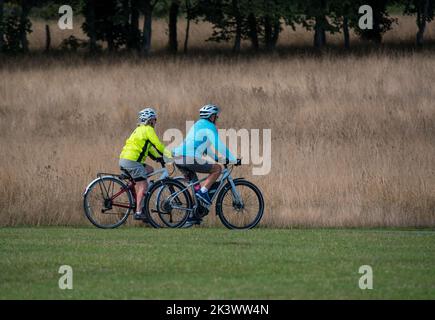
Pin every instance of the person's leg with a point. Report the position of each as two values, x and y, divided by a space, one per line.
141 187
148 169
189 167
215 172
139 173
182 164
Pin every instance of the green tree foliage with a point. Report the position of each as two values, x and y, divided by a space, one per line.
110 22
237 20
424 11
15 25
344 17
116 22
382 21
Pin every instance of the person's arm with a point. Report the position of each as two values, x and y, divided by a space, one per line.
156 145
219 146
154 154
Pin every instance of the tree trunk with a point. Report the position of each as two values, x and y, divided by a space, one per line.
90 20
237 39
186 37
268 33
317 35
238 16
253 31
110 34
110 41
173 16
320 32
1 25
422 15
47 38
133 41
25 9
375 34
346 32
147 27
275 32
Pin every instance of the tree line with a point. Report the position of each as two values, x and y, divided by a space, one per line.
117 22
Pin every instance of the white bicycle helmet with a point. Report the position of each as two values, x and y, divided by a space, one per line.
146 114
208 110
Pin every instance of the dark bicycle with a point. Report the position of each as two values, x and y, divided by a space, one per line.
111 198
239 203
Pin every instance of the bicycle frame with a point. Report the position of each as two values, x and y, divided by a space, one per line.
225 176
130 186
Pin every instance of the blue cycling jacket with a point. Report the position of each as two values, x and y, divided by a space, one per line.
200 137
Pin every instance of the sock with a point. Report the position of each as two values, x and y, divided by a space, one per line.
204 189
138 212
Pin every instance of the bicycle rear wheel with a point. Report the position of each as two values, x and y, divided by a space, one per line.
107 202
243 213
164 210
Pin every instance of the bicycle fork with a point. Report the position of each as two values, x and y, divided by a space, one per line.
237 199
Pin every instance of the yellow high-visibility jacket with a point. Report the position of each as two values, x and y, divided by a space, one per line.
143 142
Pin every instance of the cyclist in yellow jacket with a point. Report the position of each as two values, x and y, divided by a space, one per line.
142 142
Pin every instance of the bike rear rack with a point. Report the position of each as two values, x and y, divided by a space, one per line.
122 176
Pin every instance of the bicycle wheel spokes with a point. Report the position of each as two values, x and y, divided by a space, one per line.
164 209
106 206
243 214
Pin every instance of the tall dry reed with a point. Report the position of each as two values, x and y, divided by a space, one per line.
353 136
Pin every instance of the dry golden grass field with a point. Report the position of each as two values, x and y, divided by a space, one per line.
353 135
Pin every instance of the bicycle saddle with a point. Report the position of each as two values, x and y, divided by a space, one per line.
125 173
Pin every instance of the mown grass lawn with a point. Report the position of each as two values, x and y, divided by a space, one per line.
215 263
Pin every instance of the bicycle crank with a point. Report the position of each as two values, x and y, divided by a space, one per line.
201 211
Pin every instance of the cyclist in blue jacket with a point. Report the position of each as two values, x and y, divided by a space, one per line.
188 156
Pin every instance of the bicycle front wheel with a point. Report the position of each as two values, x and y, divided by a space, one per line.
168 204
241 208
107 202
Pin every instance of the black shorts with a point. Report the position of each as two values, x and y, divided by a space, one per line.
189 166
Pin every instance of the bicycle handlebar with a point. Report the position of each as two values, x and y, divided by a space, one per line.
238 163
162 162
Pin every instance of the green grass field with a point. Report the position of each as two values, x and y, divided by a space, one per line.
206 263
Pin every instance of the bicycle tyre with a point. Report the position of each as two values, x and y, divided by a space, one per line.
161 213
93 189
221 197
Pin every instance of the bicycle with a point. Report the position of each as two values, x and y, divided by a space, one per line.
111 198
227 191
